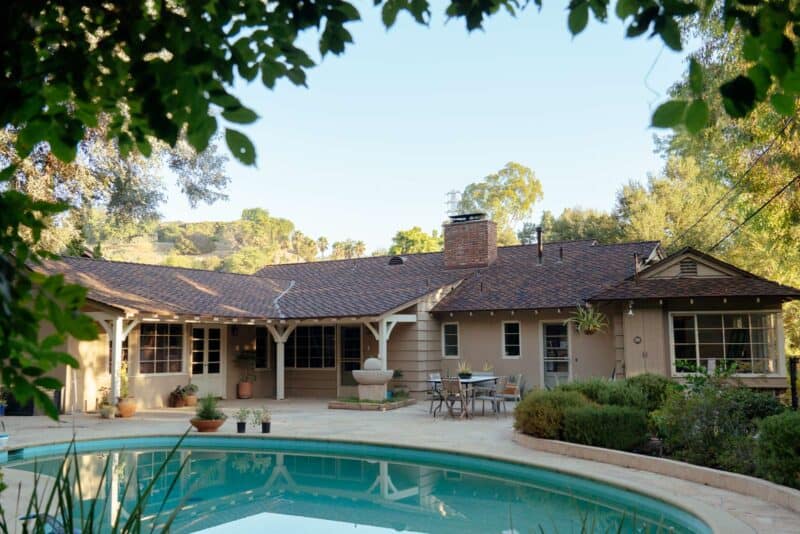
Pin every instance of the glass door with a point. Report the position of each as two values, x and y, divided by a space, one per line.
208 371
555 354
350 356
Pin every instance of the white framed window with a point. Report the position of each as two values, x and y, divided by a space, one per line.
160 348
555 342
750 340
311 347
512 339
450 341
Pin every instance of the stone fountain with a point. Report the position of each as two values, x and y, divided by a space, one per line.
372 380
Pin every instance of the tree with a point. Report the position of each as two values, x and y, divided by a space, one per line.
507 196
322 245
304 246
573 224
415 240
348 249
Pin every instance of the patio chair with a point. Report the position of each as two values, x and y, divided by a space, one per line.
433 393
495 395
453 393
513 388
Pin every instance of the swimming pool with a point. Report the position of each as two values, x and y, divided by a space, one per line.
233 483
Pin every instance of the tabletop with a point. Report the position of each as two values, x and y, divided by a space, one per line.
471 380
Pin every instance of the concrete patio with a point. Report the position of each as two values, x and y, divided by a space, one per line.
412 426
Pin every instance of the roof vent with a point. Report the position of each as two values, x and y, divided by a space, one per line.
397 260
688 267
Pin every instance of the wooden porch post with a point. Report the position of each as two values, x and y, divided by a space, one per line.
116 357
280 334
382 343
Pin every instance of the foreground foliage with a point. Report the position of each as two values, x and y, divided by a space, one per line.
613 427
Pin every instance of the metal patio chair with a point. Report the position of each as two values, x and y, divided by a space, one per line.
453 393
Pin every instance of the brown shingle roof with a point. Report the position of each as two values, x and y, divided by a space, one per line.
654 288
517 281
171 290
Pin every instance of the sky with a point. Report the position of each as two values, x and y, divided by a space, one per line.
384 131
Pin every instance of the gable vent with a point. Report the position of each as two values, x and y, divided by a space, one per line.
688 267
397 260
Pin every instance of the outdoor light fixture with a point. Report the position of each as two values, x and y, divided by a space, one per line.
630 308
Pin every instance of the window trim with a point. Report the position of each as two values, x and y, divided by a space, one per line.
457 356
781 356
541 349
503 354
138 352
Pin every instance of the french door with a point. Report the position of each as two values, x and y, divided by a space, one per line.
350 359
208 360
555 354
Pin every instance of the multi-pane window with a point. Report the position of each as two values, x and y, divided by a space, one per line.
263 343
556 354
111 352
450 340
160 348
311 347
710 340
511 340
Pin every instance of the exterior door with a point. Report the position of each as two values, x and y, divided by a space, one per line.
350 359
208 360
555 354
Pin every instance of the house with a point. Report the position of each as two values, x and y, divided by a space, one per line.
308 325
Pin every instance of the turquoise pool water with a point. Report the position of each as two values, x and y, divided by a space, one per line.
231 484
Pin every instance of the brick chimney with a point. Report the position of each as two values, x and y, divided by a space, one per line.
470 240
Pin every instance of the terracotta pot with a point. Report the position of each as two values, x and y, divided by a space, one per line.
244 390
207 425
126 407
177 402
190 400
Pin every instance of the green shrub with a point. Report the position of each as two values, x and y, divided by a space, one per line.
614 427
541 413
778 450
654 388
604 391
207 409
699 426
754 404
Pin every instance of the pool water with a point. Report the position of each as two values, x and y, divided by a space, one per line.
280 485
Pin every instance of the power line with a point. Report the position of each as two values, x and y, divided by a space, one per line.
764 205
736 182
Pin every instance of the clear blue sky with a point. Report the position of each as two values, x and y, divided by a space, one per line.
384 131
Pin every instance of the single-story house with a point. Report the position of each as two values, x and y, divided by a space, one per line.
309 324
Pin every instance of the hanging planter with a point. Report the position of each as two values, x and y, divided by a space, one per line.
588 320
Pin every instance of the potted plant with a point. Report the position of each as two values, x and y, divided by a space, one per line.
488 367
241 416
190 394
176 398
126 405
266 420
246 360
107 410
464 370
588 320
208 417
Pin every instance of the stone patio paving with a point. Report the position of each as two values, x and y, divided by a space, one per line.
410 426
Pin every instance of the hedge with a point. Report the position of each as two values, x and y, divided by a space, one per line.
541 413
603 391
613 427
778 449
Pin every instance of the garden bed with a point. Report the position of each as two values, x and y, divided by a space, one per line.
743 484
372 406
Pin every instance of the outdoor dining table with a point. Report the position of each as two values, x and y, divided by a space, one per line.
469 384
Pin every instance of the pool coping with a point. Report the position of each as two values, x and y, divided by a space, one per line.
734 482
718 520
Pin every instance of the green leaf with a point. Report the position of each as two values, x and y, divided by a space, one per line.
578 18
751 48
738 96
48 382
626 8
761 79
669 114
241 115
671 33
695 77
241 147
783 104
389 12
696 116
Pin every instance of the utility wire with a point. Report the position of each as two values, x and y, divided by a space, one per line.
764 205
736 183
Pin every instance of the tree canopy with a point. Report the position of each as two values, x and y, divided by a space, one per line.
415 240
507 196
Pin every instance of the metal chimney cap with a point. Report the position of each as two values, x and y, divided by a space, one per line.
467 217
